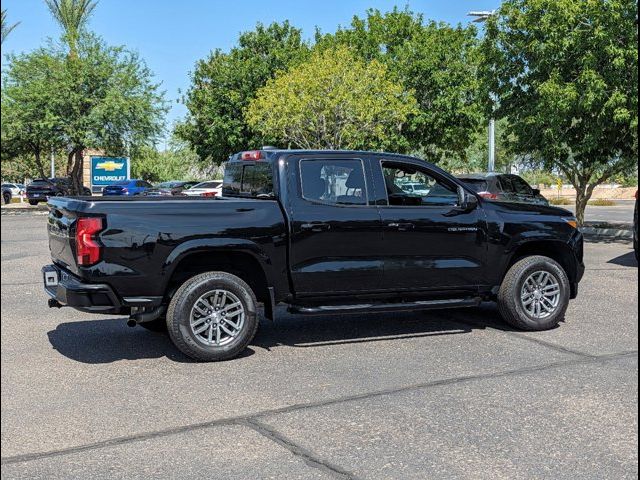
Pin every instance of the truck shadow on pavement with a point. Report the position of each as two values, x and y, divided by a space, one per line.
110 340
625 260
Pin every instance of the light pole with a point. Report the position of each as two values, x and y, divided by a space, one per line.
53 164
480 17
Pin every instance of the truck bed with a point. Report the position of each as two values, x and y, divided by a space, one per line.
143 239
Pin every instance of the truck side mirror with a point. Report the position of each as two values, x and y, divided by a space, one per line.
466 201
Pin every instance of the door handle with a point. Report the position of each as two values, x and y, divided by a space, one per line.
402 227
315 227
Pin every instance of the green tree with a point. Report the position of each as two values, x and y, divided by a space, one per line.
104 99
5 27
333 101
224 83
437 63
565 75
175 163
30 126
72 16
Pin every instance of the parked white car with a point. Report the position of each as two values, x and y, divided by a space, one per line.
205 189
15 188
415 188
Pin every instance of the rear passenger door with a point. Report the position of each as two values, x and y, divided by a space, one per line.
335 231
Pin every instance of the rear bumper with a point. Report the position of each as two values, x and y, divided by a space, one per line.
70 291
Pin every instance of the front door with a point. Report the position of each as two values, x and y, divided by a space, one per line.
430 242
336 236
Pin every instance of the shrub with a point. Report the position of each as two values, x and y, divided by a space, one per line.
601 202
560 201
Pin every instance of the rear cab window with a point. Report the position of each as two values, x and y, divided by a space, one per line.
248 179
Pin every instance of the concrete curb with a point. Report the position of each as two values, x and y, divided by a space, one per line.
608 231
607 234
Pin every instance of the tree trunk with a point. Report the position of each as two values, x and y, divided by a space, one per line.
583 194
39 165
76 171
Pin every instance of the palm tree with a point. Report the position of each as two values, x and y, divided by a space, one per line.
6 28
72 16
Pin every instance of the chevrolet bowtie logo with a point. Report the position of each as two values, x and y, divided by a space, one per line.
109 166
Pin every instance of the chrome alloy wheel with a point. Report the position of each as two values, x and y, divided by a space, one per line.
540 295
217 318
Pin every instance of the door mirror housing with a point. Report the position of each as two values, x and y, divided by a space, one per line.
466 201
536 191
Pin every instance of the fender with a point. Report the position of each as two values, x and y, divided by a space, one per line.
218 244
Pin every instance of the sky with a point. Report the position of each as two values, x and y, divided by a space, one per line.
173 35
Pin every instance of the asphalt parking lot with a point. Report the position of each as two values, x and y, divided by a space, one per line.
450 394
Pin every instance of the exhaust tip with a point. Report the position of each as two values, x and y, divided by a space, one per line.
53 303
131 323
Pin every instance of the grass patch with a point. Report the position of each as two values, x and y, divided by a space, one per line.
560 201
601 202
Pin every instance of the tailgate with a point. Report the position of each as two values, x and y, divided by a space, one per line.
61 228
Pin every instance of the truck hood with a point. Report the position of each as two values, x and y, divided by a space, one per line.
528 208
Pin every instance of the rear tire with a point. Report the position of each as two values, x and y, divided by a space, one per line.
33 202
527 299
212 317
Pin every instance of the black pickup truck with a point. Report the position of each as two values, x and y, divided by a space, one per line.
320 231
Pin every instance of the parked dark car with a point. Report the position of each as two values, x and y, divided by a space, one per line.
175 187
127 188
7 194
503 187
41 189
320 231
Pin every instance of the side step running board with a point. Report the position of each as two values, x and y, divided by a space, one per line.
386 307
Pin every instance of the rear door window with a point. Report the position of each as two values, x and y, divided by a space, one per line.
334 182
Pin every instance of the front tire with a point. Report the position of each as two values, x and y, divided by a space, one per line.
212 317
534 294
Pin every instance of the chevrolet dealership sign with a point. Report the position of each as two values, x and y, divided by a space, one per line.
107 170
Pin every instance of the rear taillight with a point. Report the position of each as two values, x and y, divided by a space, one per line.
87 247
488 195
208 194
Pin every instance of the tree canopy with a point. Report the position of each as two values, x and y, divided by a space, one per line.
105 98
335 100
5 27
436 62
72 16
224 83
565 76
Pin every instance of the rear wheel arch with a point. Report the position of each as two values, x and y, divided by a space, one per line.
239 263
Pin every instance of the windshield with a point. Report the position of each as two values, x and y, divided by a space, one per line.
169 184
123 183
